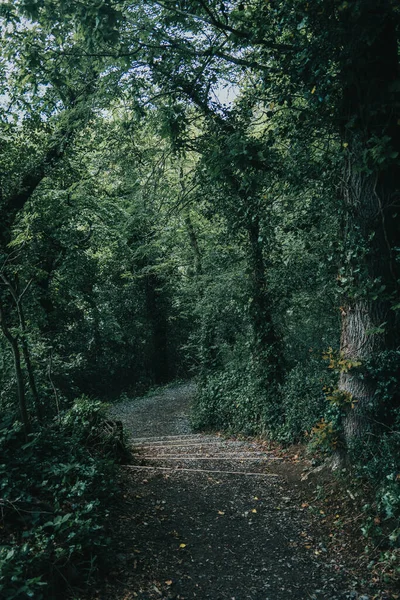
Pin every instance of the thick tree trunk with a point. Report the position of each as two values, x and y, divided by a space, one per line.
370 191
370 285
357 345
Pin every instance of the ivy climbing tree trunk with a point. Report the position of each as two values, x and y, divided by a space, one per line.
371 188
368 324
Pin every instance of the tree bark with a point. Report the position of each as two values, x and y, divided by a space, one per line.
157 318
13 341
370 194
357 344
29 366
267 348
17 297
198 266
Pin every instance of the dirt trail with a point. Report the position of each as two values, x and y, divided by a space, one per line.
211 518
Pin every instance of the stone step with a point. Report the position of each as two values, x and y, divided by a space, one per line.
186 470
232 458
182 445
161 438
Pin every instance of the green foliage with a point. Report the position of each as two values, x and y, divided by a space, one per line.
373 455
53 495
83 418
377 457
323 438
376 461
234 400
149 228
340 363
303 401
87 424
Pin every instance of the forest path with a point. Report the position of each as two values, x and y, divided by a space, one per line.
211 518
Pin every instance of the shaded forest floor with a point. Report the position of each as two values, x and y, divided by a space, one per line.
217 518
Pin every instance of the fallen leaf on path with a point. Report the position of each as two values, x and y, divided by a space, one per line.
221 512
182 545
254 510
169 582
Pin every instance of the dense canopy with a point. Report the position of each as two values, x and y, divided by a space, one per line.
197 189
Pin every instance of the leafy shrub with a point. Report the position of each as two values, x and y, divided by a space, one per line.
324 438
87 425
52 490
374 456
303 400
235 400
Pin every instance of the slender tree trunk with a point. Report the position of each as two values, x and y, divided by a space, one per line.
198 265
55 392
157 318
13 341
20 385
190 229
207 343
30 371
267 348
17 297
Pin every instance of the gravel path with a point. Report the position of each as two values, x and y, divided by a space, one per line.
166 413
205 517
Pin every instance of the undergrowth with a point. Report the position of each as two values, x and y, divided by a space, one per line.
236 399
55 491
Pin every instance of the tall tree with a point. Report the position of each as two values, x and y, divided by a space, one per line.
370 133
